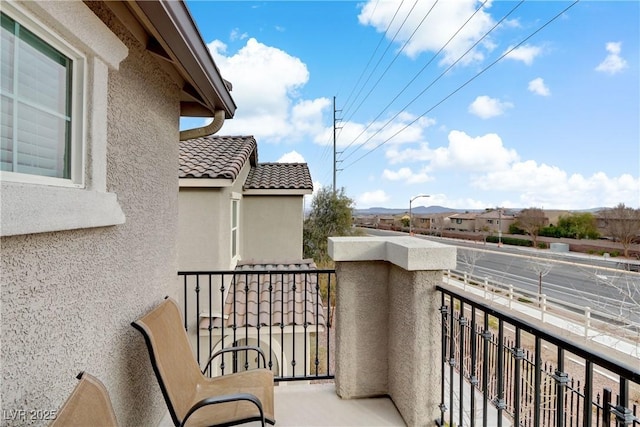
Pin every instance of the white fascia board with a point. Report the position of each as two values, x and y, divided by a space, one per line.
204 182
275 192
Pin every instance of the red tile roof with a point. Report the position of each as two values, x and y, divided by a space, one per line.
279 176
272 299
216 156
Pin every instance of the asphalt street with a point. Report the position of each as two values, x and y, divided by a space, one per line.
579 279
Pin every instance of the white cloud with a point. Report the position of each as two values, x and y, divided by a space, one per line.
291 157
472 154
237 35
270 105
406 175
403 129
308 198
526 53
538 87
547 186
613 63
372 198
486 107
444 20
420 154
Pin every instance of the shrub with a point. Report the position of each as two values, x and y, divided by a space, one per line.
510 241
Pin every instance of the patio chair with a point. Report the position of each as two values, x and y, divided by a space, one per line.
88 405
192 398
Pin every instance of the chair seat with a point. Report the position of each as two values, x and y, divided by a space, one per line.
258 382
192 398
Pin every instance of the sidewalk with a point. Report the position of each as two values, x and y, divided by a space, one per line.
579 329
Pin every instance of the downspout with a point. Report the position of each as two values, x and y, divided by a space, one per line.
210 129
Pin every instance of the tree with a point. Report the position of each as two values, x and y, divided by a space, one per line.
331 215
541 268
578 226
623 225
531 220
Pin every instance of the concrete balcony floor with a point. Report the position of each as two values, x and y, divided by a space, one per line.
319 405
303 405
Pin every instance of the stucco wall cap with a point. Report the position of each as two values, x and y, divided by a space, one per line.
408 253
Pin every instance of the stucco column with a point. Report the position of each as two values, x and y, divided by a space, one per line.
387 321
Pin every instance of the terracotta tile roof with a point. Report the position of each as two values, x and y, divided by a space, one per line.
279 176
464 216
216 156
293 299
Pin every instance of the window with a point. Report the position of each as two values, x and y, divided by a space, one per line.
234 228
54 102
40 95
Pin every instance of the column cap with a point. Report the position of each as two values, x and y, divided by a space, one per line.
409 253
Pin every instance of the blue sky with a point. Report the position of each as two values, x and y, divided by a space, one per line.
477 105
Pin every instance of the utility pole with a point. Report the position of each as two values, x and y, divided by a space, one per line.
335 153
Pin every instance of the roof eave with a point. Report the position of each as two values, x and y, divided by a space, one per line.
175 37
276 191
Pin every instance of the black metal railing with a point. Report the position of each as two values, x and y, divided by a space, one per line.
498 369
287 313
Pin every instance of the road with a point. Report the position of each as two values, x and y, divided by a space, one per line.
583 280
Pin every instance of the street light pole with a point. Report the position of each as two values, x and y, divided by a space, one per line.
500 227
410 218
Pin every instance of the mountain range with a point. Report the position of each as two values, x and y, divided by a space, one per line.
416 210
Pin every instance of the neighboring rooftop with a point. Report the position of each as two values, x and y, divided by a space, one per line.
216 156
292 300
279 176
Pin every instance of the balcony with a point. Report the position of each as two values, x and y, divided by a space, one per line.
404 347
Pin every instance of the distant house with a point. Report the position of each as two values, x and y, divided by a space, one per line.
387 221
463 222
233 208
494 221
236 213
421 221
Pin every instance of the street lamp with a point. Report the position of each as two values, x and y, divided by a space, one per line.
410 218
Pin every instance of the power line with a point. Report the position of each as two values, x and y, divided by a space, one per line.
417 74
384 53
347 106
464 84
375 7
436 80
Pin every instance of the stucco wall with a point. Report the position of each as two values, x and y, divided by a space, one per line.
272 225
204 232
68 297
203 225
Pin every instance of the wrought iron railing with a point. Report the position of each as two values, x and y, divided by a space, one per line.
287 313
493 372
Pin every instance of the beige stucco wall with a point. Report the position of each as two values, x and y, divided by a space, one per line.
204 226
272 227
68 297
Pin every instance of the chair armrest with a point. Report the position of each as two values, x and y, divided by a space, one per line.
226 399
235 350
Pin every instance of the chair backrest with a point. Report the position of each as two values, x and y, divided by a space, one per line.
88 405
171 356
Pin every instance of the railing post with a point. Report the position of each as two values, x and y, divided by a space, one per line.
388 321
587 321
510 296
606 407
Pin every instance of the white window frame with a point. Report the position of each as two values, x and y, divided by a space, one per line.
78 103
35 204
235 201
